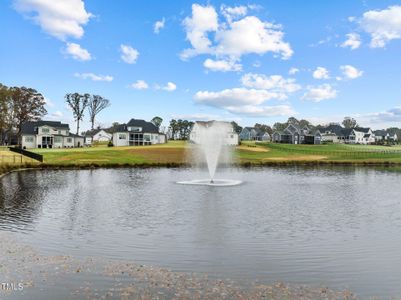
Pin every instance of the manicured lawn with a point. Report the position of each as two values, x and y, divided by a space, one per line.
175 152
172 152
329 152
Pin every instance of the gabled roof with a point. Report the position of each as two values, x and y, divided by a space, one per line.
362 129
96 131
333 128
380 132
30 127
292 128
75 135
147 127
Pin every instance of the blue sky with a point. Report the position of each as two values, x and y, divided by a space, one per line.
258 61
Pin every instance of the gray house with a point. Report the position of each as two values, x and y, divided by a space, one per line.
254 134
294 134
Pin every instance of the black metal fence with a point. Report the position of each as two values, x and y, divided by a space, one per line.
30 154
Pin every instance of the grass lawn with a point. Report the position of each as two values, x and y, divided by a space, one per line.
174 153
248 152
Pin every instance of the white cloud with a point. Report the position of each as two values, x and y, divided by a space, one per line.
351 72
231 13
203 20
321 73
251 35
262 111
159 25
61 19
391 115
94 77
139 85
128 54
198 117
353 41
319 93
221 65
77 52
169 87
57 114
234 97
382 25
244 101
274 83
293 71
49 102
233 39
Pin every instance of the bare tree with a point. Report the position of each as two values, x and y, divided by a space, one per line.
95 106
78 104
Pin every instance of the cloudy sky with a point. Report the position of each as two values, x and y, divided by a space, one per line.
258 61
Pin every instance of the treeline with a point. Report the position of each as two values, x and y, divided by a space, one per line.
17 106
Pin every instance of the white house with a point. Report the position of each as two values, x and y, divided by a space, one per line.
137 133
49 134
98 135
231 137
384 135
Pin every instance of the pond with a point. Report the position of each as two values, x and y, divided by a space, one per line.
337 227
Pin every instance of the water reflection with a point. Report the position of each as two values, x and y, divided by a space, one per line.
318 226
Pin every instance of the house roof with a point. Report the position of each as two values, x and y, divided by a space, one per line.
96 131
380 132
147 127
30 127
362 129
75 135
292 128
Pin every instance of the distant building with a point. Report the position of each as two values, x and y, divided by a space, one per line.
98 135
254 134
294 134
231 137
137 133
49 134
385 136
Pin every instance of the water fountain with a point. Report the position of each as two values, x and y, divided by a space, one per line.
211 148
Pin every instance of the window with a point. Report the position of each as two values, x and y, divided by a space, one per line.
29 139
122 137
45 130
57 139
69 140
135 129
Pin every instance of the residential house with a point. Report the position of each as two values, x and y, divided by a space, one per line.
98 135
385 136
49 134
254 134
294 134
231 137
334 133
137 133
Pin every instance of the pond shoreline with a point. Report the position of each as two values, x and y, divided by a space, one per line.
41 277
7 169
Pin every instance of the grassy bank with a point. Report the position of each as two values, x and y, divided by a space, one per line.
174 154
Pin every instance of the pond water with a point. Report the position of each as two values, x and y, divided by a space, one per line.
338 227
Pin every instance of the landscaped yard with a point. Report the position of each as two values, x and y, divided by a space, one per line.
175 152
172 152
330 152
